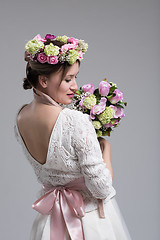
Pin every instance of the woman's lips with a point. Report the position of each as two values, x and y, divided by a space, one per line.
70 95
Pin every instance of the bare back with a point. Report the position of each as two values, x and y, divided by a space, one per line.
35 123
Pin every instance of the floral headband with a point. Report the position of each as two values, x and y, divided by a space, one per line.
43 49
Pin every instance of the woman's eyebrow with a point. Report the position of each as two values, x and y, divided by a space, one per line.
72 75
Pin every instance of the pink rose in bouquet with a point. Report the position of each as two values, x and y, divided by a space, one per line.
103 105
88 88
117 97
104 87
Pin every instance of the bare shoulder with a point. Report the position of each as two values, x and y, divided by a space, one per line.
21 112
38 113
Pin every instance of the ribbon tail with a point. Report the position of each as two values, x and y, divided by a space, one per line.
100 208
75 201
73 223
57 224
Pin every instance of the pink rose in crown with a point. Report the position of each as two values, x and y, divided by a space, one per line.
88 88
53 59
72 40
119 112
80 55
104 87
42 58
38 37
118 97
68 46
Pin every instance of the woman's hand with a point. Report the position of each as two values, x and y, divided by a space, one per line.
102 142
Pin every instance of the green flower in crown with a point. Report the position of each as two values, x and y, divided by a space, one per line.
105 117
33 46
82 46
62 56
72 56
51 50
62 38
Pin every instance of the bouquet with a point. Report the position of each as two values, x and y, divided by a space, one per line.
104 105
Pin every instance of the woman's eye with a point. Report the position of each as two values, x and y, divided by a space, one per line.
68 80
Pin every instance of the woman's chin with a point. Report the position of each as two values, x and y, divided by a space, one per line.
68 101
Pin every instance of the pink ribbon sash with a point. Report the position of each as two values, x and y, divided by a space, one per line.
66 207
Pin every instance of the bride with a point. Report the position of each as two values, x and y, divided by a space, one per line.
77 198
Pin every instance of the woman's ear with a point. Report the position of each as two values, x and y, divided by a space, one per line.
42 80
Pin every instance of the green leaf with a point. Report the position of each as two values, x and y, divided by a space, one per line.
96 93
109 96
118 105
125 103
78 92
113 120
105 133
112 88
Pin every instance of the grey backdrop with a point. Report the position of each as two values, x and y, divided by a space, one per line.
123 38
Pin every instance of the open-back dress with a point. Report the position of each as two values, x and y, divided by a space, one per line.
77 198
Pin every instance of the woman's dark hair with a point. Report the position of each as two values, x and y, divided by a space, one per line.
33 69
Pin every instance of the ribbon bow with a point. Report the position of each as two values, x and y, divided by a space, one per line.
66 207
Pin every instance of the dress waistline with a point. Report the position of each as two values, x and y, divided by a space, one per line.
66 207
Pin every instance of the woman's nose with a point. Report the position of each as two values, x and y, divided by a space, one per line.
74 86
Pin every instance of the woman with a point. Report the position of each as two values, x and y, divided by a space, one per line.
77 199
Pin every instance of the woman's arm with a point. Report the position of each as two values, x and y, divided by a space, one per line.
106 153
97 176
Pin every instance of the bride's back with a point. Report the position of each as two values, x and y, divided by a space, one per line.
35 123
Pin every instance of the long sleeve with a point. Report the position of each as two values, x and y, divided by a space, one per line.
98 178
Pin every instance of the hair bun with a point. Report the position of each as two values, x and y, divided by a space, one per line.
26 84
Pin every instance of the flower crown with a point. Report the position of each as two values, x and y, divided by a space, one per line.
43 49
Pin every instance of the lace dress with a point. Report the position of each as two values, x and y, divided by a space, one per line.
77 198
